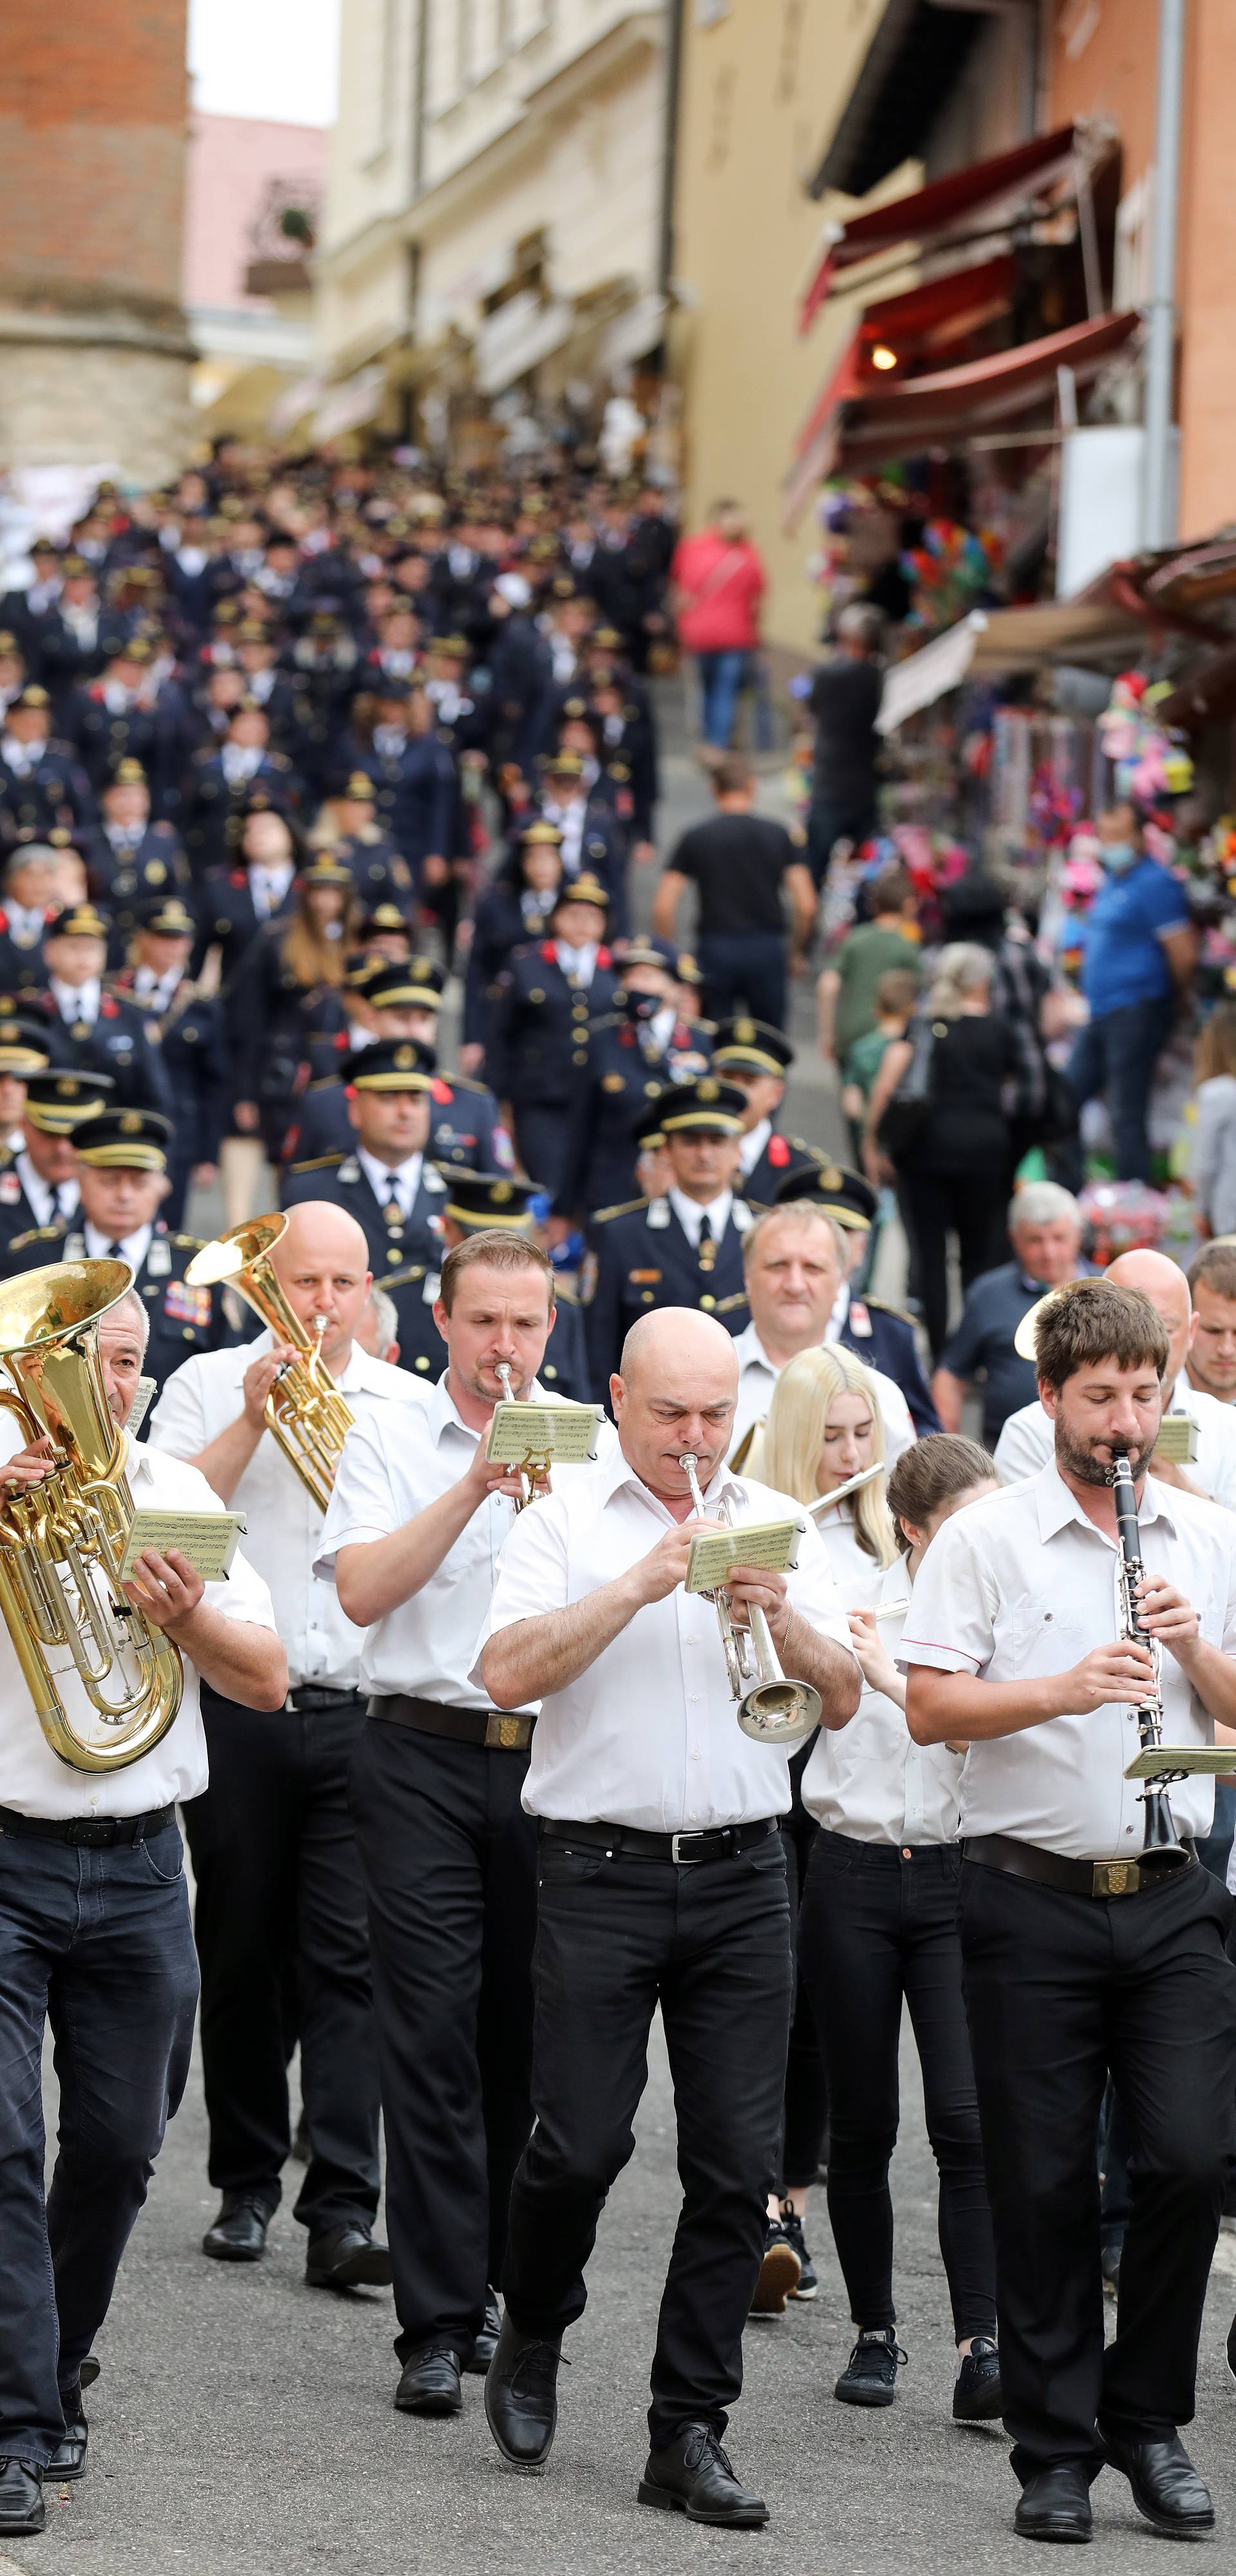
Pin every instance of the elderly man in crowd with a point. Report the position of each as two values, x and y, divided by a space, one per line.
1045 1230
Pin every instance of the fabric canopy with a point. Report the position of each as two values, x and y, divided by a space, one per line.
926 411
930 212
1007 639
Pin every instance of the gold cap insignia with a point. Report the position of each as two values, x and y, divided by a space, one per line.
831 1177
707 1090
405 1059
744 1031
131 1124
500 1193
421 970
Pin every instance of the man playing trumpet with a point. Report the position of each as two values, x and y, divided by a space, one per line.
662 1879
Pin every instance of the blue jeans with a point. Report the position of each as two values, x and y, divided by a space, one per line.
97 1942
745 971
1116 1055
721 677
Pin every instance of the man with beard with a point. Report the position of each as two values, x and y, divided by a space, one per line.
1085 1956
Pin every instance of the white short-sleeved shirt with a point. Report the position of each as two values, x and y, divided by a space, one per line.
648 1736
33 1779
1021 1584
757 1377
870 1779
395 1462
284 1530
856 1575
1027 1440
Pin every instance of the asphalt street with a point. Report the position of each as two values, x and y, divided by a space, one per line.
243 2424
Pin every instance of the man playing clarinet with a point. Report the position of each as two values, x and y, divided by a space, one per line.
1092 1940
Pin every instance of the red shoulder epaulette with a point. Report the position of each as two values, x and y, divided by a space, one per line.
778 1152
603 957
238 878
441 1092
109 1010
548 951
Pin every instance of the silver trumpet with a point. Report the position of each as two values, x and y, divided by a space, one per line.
771 1709
827 1502
533 1471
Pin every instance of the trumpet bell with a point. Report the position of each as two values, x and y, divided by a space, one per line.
783 1712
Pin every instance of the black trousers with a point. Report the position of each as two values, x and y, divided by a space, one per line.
1061 1991
280 1902
806 2084
449 1859
972 1206
98 1942
709 1943
877 1928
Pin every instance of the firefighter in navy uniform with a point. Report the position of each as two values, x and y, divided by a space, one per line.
594 842
474 1202
387 1182
107 722
221 788
94 1031
41 783
756 1059
192 1038
378 872
121 1158
682 1249
130 860
876 1332
403 1001
31 874
38 1168
544 999
636 1052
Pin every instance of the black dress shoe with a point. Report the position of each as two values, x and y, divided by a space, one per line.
1055 2504
1166 2486
22 2509
486 2343
692 2475
348 2258
239 2231
68 2460
977 2395
430 2382
521 2396
89 2371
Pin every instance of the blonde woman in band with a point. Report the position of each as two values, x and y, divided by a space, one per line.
824 1426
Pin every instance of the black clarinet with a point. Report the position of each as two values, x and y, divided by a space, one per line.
1162 1847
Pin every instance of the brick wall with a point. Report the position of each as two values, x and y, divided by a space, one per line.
93 118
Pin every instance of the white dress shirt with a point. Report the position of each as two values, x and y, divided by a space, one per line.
648 1735
201 1400
757 1377
393 1466
1028 1440
158 991
856 1575
870 1779
241 761
691 1215
751 1146
268 887
579 962
47 1198
133 1247
33 1779
1022 1584
569 820
26 922
21 756
405 1178
77 1001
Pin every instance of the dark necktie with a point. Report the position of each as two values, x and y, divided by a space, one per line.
391 1207
115 1252
707 1248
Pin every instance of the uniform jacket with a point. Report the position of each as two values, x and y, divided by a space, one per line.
626 1071
538 1034
183 1321
193 1044
54 792
123 1042
643 1259
393 1239
122 879
781 1154
466 1126
215 812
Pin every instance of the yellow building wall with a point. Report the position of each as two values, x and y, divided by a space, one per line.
760 89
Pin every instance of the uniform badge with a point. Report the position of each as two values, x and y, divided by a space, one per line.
10 1189
131 1123
860 1321
503 1150
658 1213
431 1180
159 1258
644 1278
186 1305
432 1289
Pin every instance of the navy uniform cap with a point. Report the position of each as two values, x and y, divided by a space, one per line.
79 921
585 888
57 1102
124 1139
23 1048
167 916
842 1194
391 1064
751 1046
480 1199
716 1107
418 986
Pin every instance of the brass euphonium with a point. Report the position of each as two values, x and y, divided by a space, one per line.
62 1542
304 1409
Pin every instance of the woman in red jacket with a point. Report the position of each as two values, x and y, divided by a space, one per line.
719 581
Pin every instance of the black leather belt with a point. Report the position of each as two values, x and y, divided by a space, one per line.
97 1832
716 1842
305 1699
1072 1877
499 1730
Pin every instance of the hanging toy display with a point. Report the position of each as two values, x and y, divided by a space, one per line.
949 571
1150 760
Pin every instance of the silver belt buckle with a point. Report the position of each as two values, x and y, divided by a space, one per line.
683 1859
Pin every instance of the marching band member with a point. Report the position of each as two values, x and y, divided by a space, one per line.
878 1926
1081 1960
662 1879
278 1879
95 1937
448 1855
823 1428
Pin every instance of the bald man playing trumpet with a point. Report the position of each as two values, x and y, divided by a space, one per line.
280 1916
661 1880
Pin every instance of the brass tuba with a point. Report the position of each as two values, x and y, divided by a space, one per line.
62 1542
304 1408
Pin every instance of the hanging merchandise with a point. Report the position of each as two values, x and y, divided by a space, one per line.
1150 759
950 571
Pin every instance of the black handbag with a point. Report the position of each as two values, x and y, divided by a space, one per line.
904 1116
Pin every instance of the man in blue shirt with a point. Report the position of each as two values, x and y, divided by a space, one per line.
1136 969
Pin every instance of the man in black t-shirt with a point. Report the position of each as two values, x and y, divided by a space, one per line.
743 866
845 701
